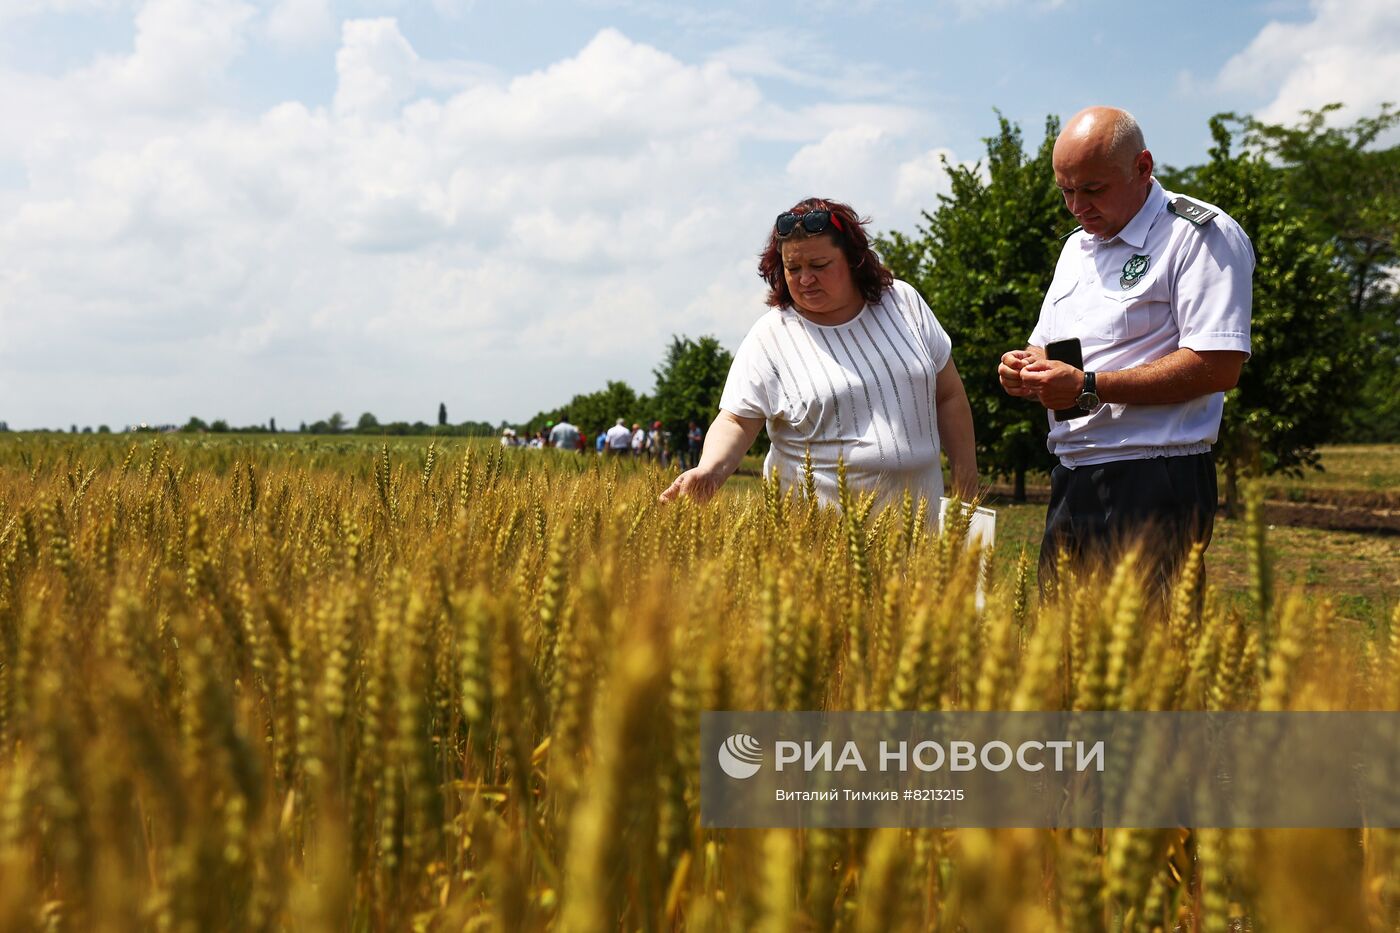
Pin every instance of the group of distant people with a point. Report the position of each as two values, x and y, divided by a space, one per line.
653 443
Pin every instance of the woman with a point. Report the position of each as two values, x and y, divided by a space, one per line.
848 362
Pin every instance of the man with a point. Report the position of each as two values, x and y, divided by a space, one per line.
564 436
1156 288
619 438
639 439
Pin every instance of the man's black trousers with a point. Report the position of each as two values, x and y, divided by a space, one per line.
1098 511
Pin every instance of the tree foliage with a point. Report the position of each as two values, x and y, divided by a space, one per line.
1350 188
1303 350
596 411
369 424
688 386
983 261
689 383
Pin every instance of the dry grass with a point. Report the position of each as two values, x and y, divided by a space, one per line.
325 687
1358 573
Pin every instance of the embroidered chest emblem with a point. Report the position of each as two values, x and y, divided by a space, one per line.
1133 270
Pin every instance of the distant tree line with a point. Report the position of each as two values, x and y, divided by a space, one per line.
73 429
689 382
367 424
1321 204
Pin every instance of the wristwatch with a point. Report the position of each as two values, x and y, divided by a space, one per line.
1088 399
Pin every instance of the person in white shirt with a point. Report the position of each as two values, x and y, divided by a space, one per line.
848 363
619 438
564 436
1157 289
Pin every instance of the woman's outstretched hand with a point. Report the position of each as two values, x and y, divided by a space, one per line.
698 484
730 435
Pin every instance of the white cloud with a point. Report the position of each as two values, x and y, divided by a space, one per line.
923 178
865 165
440 231
844 164
180 50
1349 52
300 22
375 68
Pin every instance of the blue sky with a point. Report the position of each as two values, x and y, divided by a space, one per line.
245 210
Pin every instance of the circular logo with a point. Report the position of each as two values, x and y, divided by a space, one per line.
741 756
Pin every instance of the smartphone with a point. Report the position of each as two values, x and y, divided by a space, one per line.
1067 351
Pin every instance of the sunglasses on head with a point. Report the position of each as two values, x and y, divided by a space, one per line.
811 221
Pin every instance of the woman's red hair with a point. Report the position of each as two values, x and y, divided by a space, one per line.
871 276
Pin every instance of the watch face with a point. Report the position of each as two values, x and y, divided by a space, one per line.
1089 402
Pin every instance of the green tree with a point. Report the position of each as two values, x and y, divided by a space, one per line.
335 423
594 410
442 414
689 383
367 423
983 260
194 425
1352 189
1304 353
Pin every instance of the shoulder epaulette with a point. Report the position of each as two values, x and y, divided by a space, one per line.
1194 211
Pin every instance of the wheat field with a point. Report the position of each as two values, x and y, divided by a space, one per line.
286 685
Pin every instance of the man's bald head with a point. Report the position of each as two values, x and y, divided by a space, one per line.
1103 168
1105 131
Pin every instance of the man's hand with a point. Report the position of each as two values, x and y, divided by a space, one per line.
698 484
1055 383
1180 376
1009 372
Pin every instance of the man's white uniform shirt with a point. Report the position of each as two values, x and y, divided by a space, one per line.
1195 293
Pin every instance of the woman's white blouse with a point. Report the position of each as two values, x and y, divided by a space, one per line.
863 390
